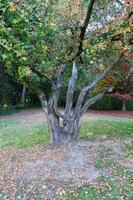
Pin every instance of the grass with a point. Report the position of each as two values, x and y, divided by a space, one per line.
128 150
109 128
14 134
106 189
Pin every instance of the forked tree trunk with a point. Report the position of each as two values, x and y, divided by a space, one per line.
71 119
61 133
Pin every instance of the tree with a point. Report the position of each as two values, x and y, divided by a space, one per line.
10 90
124 90
42 41
1 70
23 95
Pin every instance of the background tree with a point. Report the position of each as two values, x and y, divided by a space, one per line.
124 90
43 41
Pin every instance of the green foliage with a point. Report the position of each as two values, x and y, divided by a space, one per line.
24 27
128 150
107 103
36 38
6 109
10 95
31 42
104 104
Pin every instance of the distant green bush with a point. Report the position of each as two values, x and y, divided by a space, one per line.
6 109
110 103
130 105
104 104
10 109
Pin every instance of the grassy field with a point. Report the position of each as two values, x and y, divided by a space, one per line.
14 134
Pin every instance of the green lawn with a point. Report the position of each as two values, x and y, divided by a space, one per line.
109 128
14 134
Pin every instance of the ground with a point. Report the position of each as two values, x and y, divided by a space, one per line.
98 166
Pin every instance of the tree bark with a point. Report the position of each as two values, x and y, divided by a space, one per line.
70 91
61 134
124 105
52 120
54 128
23 95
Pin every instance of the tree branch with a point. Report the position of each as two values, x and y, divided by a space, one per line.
89 87
39 93
84 27
91 101
118 1
57 88
70 91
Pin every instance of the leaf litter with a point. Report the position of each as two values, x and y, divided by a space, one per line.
45 172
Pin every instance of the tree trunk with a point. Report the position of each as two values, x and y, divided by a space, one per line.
62 133
54 128
124 105
67 131
23 95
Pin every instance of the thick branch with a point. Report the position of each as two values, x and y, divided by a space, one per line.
57 88
91 101
70 91
118 1
89 87
43 101
39 93
100 77
84 27
56 98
